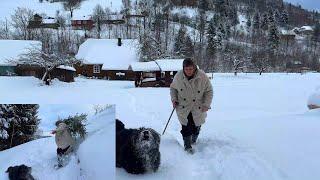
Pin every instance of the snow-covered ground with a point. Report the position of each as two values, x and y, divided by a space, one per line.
259 127
9 6
96 153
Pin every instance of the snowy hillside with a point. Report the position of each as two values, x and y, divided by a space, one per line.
259 127
50 9
96 159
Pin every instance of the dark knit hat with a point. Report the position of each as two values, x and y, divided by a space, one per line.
187 62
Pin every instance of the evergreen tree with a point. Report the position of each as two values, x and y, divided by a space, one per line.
203 4
19 123
316 36
265 22
273 37
248 24
180 41
189 47
256 21
211 35
222 31
284 18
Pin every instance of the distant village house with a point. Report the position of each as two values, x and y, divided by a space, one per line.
107 58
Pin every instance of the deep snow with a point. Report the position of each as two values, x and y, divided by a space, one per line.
259 127
96 153
50 9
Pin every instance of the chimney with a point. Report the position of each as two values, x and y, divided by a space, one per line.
119 42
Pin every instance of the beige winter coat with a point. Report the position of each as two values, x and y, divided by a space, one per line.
64 138
192 95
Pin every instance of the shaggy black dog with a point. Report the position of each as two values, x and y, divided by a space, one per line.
21 172
137 150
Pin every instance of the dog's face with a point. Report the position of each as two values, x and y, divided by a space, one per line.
146 139
21 172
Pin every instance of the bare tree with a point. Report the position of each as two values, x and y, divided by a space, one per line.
49 61
98 15
71 5
5 32
20 21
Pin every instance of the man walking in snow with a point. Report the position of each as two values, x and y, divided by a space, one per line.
64 141
191 94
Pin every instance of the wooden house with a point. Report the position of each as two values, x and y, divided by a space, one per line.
107 58
82 23
158 73
40 22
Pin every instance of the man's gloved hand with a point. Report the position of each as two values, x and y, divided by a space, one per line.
175 104
205 109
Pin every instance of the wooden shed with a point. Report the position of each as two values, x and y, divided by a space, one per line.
62 72
158 73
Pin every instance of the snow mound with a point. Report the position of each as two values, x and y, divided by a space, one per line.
314 100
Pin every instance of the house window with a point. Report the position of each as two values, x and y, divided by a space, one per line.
79 22
96 68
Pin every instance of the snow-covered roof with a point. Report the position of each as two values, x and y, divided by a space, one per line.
158 65
288 32
108 53
170 64
145 66
48 21
69 68
11 49
80 17
306 28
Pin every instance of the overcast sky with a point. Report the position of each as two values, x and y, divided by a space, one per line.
308 4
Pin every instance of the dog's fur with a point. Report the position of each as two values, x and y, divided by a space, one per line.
21 172
137 150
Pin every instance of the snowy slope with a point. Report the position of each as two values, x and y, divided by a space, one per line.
8 7
96 159
259 127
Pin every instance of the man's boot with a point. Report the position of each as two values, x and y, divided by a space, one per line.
194 138
187 144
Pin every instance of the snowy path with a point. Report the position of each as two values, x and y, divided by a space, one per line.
259 127
250 133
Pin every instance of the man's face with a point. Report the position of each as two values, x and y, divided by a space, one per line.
189 71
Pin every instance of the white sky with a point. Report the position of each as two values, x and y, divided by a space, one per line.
308 4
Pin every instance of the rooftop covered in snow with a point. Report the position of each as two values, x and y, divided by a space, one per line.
12 49
108 53
145 66
158 65
69 68
170 64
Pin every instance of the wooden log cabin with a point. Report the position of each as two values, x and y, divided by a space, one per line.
107 58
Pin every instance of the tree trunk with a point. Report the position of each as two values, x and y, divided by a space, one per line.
12 136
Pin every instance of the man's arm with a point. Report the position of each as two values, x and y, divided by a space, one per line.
174 92
208 94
